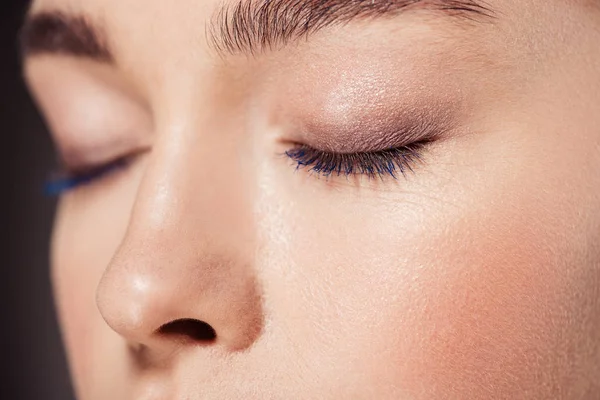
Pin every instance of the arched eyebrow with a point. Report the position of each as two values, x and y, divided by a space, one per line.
246 26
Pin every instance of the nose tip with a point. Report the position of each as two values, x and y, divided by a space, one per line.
131 306
174 310
138 313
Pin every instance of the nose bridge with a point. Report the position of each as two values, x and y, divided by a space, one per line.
187 253
196 177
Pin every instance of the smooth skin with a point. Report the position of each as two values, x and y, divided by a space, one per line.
477 276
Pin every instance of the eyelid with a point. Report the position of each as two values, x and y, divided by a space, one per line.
76 163
69 178
55 187
362 133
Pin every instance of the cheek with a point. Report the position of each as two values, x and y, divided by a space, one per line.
501 302
491 294
489 309
87 232
497 314
72 297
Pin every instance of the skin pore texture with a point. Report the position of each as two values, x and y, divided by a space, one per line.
214 265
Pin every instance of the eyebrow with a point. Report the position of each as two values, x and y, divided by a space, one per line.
57 33
247 26
250 26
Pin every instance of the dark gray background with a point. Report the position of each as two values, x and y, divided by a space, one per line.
33 364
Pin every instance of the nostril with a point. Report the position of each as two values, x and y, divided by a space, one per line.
198 331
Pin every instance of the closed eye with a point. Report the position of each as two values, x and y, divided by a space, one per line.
393 162
68 180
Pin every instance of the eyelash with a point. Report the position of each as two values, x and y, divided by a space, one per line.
71 180
393 162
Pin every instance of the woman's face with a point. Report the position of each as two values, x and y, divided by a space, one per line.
325 199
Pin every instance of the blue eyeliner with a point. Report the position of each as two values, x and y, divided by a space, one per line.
63 184
393 162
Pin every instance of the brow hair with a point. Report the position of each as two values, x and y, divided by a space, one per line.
246 26
254 25
53 32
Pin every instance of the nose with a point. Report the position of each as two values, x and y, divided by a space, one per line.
166 301
184 274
